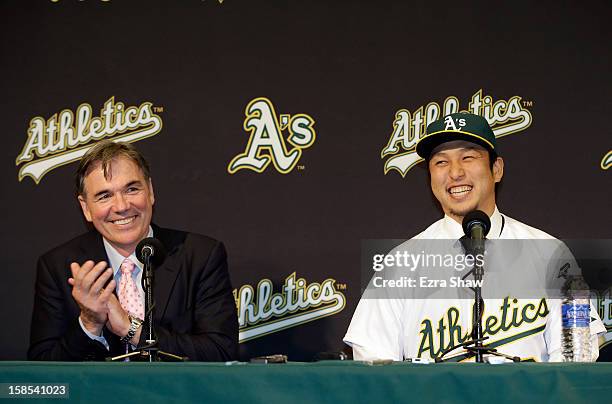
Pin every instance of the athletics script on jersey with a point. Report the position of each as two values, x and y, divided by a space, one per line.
504 116
266 143
262 312
66 136
514 320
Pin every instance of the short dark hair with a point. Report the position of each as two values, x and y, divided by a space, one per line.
104 152
492 158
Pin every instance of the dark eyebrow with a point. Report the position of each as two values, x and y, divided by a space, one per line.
438 153
132 183
462 150
475 148
129 184
104 191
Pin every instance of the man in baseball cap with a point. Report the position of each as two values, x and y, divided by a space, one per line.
464 166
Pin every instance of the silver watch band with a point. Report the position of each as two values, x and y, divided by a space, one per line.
135 324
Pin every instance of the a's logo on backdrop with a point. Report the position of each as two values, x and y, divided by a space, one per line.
606 162
66 136
262 312
504 116
266 142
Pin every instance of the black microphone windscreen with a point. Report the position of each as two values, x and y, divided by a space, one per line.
159 252
474 217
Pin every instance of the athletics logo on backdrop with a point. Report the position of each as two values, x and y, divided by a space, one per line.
504 116
603 303
62 139
262 312
266 143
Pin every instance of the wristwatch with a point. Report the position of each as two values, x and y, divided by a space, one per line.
135 324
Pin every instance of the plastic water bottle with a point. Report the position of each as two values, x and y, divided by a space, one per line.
575 321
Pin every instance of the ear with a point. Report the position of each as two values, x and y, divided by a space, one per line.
84 208
151 193
498 169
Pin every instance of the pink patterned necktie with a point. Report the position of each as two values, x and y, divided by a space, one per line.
129 297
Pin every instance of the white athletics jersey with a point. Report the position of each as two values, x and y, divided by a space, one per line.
422 328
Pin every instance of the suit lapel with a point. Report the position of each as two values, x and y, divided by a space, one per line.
92 248
167 273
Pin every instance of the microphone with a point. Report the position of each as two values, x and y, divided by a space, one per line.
476 225
151 248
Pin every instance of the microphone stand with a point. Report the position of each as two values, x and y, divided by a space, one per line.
478 306
149 352
148 284
475 347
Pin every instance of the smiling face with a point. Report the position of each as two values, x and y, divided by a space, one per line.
120 205
462 179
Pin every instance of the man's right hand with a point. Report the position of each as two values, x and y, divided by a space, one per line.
88 291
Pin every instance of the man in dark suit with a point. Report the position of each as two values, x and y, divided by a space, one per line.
89 302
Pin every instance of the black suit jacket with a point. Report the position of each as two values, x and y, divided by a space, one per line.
195 312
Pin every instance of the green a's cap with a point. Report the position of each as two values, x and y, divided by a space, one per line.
458 126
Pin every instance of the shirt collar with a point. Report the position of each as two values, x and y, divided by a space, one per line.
116 259
454 230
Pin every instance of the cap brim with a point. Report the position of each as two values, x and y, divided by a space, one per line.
430 142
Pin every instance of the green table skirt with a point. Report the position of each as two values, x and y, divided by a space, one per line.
326 382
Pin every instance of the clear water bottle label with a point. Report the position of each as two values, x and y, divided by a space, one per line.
576 315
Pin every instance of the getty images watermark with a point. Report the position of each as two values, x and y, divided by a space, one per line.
444 269
409 261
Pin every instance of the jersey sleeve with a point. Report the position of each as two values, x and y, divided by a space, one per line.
376 330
